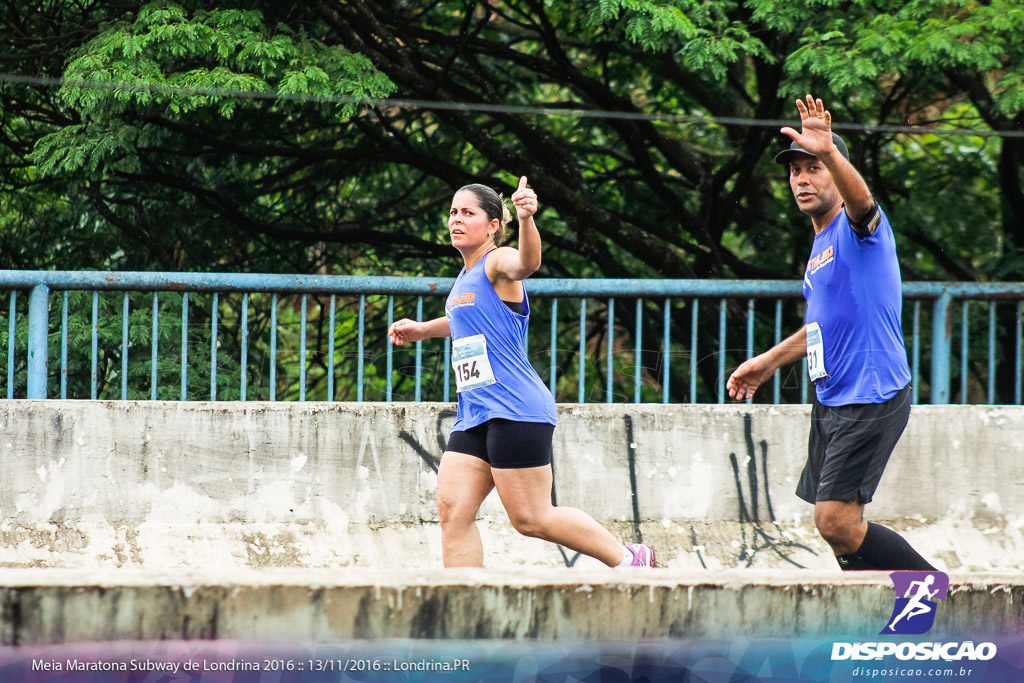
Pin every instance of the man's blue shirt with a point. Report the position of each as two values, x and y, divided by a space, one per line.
854 292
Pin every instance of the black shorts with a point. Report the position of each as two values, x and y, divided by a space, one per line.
849 447
506 444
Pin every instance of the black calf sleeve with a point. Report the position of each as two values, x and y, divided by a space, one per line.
883 548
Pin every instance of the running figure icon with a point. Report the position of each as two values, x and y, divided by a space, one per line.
916 601
914 606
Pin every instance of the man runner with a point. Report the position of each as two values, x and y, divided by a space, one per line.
854 346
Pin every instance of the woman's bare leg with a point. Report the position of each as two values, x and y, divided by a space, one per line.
463 481
526 495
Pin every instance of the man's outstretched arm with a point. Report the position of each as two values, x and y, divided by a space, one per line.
745 379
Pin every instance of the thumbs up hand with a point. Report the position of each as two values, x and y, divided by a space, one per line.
524 199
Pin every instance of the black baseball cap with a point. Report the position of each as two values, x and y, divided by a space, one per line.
785 155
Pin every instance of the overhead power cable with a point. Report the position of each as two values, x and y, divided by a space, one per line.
483 107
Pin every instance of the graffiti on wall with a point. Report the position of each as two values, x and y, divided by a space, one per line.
760 530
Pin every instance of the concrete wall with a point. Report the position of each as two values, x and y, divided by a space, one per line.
154 484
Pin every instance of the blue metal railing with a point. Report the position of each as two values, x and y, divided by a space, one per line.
631 371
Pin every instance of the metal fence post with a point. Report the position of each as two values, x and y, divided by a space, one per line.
38 333
941 340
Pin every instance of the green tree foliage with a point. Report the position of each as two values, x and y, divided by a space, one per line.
180 156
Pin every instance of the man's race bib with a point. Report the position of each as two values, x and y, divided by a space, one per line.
472 368
815 353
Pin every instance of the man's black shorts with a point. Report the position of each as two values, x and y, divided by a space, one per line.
849 447
506 444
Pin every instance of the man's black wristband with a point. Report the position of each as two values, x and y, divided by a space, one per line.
866 226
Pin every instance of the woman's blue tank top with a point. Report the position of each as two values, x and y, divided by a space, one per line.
473 308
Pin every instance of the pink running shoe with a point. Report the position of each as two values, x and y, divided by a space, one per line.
643 554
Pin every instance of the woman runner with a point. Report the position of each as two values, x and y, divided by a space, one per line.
506 416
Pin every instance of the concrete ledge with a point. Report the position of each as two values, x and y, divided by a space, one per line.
64 606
